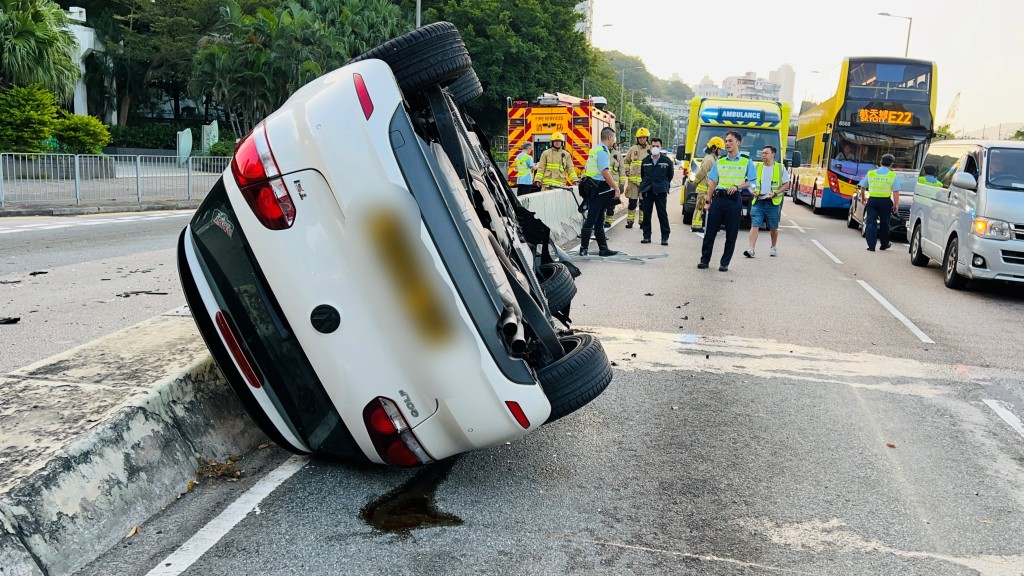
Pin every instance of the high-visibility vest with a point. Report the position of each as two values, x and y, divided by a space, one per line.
732 172
925 180
522 165
880 185
636 155
591 170
776 183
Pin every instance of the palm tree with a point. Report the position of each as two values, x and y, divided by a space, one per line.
36 46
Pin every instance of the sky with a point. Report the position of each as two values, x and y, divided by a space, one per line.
978 45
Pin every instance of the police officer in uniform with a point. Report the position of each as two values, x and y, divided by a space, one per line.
730 174
883 199
602 188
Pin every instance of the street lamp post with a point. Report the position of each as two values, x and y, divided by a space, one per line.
622 92
910 24
417 13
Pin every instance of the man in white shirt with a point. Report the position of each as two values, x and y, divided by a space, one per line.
766 204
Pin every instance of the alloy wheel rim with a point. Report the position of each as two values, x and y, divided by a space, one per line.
951 265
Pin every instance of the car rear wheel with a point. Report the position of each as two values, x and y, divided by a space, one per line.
424 57
557 285
917 257
950 276
687 216
851 221
466 89
578 377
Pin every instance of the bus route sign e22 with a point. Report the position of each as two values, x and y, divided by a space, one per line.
877 116
736 115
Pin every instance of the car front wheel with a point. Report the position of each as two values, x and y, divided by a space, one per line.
950 276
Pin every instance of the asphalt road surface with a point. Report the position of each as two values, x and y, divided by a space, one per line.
827 411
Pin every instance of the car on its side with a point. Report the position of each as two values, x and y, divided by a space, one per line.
369 284
969 216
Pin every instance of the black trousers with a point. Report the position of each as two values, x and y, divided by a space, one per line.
647 203
523 189
596 206
876 221
724 209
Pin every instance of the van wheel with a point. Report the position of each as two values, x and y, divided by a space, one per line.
917 257
557 285
687 216
950 276
424 57
466 88
575 379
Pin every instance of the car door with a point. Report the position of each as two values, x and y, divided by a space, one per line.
931 203
962 202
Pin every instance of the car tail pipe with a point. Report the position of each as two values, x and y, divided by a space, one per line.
513 331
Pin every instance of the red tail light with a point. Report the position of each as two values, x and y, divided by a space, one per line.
364 95
518 414
257 175
228 334
391 435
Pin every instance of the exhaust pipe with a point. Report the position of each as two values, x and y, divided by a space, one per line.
508 322
518 343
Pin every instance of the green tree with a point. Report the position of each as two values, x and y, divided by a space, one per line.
36 47
520 48
943 131
81 134
30 114
1018 135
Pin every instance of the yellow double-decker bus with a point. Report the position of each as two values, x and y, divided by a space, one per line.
865 108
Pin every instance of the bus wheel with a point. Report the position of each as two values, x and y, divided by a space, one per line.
796 194
814 202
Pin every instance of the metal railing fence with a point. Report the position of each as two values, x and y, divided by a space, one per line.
76 179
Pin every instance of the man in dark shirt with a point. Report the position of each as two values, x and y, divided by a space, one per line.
655 178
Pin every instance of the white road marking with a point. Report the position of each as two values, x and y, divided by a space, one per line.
899 315
209 535
1007 416
12 231
827 253
55 226
797 226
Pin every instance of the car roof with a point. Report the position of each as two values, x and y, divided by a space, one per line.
982 143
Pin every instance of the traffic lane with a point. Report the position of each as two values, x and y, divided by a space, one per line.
800 296
957 320
718 471
38 243
79 302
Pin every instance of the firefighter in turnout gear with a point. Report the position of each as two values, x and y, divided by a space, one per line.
555 164
634 158
618 169
715 146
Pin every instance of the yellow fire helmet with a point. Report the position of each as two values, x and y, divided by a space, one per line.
717 143
643 132
558 136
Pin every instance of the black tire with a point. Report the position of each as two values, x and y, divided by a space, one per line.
687 216
950 276
851 222
466 88
575 379
796 197
558 286
917 257
424 57
814 201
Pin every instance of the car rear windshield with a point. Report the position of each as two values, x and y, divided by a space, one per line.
242 291
1006 168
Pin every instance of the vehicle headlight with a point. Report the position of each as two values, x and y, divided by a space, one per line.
988 228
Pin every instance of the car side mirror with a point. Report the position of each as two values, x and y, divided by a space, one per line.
965 181
796 159
680 151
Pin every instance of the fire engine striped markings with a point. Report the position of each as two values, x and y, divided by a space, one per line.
899 315
827 253
209 535
1007 416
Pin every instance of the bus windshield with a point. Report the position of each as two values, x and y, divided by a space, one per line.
854 153
889 81
754 139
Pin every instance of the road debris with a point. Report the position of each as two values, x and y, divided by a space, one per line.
11 320
38 272
134 292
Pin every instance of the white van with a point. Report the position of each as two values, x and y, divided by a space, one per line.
968 211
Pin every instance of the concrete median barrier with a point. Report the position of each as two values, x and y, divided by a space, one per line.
559 209
99 438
